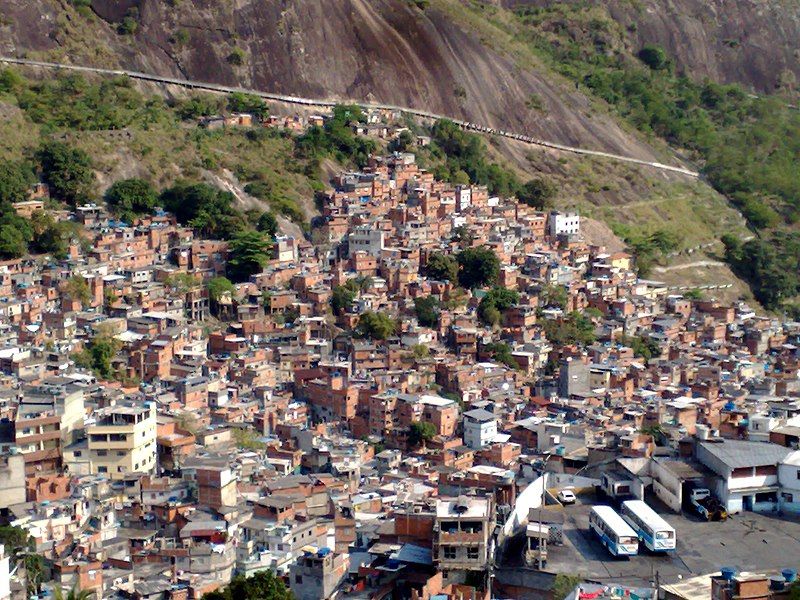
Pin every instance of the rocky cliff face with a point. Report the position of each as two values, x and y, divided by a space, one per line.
752 42
381 50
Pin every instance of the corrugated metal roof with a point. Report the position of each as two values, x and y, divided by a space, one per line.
738 454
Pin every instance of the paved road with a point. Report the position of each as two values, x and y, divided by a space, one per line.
329 104
747 541
691 265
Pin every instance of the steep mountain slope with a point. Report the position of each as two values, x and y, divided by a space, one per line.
383 50
752 42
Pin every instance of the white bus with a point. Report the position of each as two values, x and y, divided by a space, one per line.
616 535
654 531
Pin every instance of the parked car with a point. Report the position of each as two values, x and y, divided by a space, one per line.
566 497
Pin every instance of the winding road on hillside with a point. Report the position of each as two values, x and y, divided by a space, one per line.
213 87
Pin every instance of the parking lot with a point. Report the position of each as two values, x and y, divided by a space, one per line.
747 541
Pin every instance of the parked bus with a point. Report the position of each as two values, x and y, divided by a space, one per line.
616 535
655 532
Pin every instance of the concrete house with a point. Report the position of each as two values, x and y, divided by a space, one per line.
747 472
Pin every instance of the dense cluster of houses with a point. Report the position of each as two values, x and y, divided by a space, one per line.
274 438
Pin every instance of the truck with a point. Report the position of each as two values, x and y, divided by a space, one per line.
705 504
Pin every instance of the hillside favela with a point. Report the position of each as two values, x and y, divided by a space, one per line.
399 299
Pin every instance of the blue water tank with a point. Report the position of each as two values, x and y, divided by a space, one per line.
324 552
790 575
777 583
728 573
729 406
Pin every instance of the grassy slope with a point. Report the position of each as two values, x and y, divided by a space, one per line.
166 150
637 197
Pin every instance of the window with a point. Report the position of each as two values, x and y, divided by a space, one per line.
767 470
102 469
450 552
787 497
77 453
298 579
473 553
102 453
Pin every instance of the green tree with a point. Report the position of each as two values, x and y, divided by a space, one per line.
248 254
376 326
50 236
654 57
77 288
15 233
479 267
181 282
342 297
68 171
218 287
248 103
403 142
575 328
268 224
420 432
131 197
73 594
247 439
263 585
102 349
442 267
554 295
494 303
538 193
501 352
207 209
564 584
16 179
427 309
420 351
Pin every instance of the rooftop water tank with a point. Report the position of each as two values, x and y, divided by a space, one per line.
777 582
728 573
790 575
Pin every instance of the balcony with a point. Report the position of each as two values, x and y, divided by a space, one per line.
35 438
460 538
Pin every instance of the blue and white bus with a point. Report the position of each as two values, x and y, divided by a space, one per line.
656 534
616 535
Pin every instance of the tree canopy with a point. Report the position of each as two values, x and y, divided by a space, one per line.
427 310
442 267
479 267
263 585
494 303
376 326
129 198
205 208
538 193
16 178
68 171
218 287
248 253
419 432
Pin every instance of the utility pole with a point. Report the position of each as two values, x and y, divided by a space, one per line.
542 542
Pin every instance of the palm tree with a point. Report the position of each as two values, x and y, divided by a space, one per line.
73 594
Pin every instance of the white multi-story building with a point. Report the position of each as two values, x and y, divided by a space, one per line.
559 223
5 575
747 472
480 428
789 480
123 441
365 238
